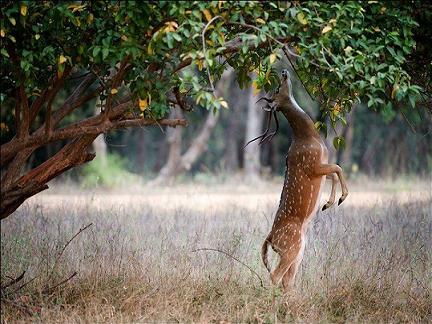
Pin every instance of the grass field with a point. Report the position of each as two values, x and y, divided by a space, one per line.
368 260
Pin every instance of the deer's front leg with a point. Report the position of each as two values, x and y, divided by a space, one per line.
328 169
331 200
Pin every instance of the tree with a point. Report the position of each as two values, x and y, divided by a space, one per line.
252 164
99 144
178 162
129 55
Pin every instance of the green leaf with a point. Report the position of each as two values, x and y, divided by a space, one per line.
177 37
339 143
96 51
170 40
412 100
4 52
105 52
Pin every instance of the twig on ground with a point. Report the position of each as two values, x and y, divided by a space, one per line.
13 281
234 258
64 248
23 285
48 290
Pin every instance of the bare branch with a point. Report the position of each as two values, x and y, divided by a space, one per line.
234 258
116 81
86 127
71 102
14 281
49 290
71 155
49 94
64 248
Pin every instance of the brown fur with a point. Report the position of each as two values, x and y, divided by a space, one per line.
306 168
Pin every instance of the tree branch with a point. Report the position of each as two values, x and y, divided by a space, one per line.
231 47
17 113
116 81
25 123
90 126
10 152
49 94
72 101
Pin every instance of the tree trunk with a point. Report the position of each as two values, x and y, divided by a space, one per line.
99 144
178 163
73 154
252 165
141 151
173 165
344 156
233 132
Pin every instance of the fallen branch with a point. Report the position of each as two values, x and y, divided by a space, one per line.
234 258
49 290
13 281
64 249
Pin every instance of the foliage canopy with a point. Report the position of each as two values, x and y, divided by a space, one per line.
345 51
133 56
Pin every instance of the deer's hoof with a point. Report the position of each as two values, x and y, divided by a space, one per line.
324 207
340 201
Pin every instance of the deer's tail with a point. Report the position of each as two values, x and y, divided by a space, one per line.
264 250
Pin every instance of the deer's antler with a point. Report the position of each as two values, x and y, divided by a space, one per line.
266 137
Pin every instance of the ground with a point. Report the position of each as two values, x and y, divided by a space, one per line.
368 260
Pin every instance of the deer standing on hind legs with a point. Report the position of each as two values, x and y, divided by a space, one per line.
306 170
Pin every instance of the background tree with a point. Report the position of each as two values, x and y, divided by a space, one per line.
252 158
58 57
178 162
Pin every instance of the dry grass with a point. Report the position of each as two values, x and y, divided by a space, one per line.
366 261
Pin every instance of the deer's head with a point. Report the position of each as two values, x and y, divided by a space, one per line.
277 102
282 96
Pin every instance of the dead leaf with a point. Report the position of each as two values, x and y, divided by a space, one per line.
207 14
326 29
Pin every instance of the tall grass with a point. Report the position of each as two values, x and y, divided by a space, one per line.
363 262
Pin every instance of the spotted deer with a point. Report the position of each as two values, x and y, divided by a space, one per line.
306 170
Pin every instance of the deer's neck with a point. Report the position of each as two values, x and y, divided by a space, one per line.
300 122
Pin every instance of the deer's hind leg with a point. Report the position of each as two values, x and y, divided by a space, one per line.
289 276
288 258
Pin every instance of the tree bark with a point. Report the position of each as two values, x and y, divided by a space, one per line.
73 154
252 164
